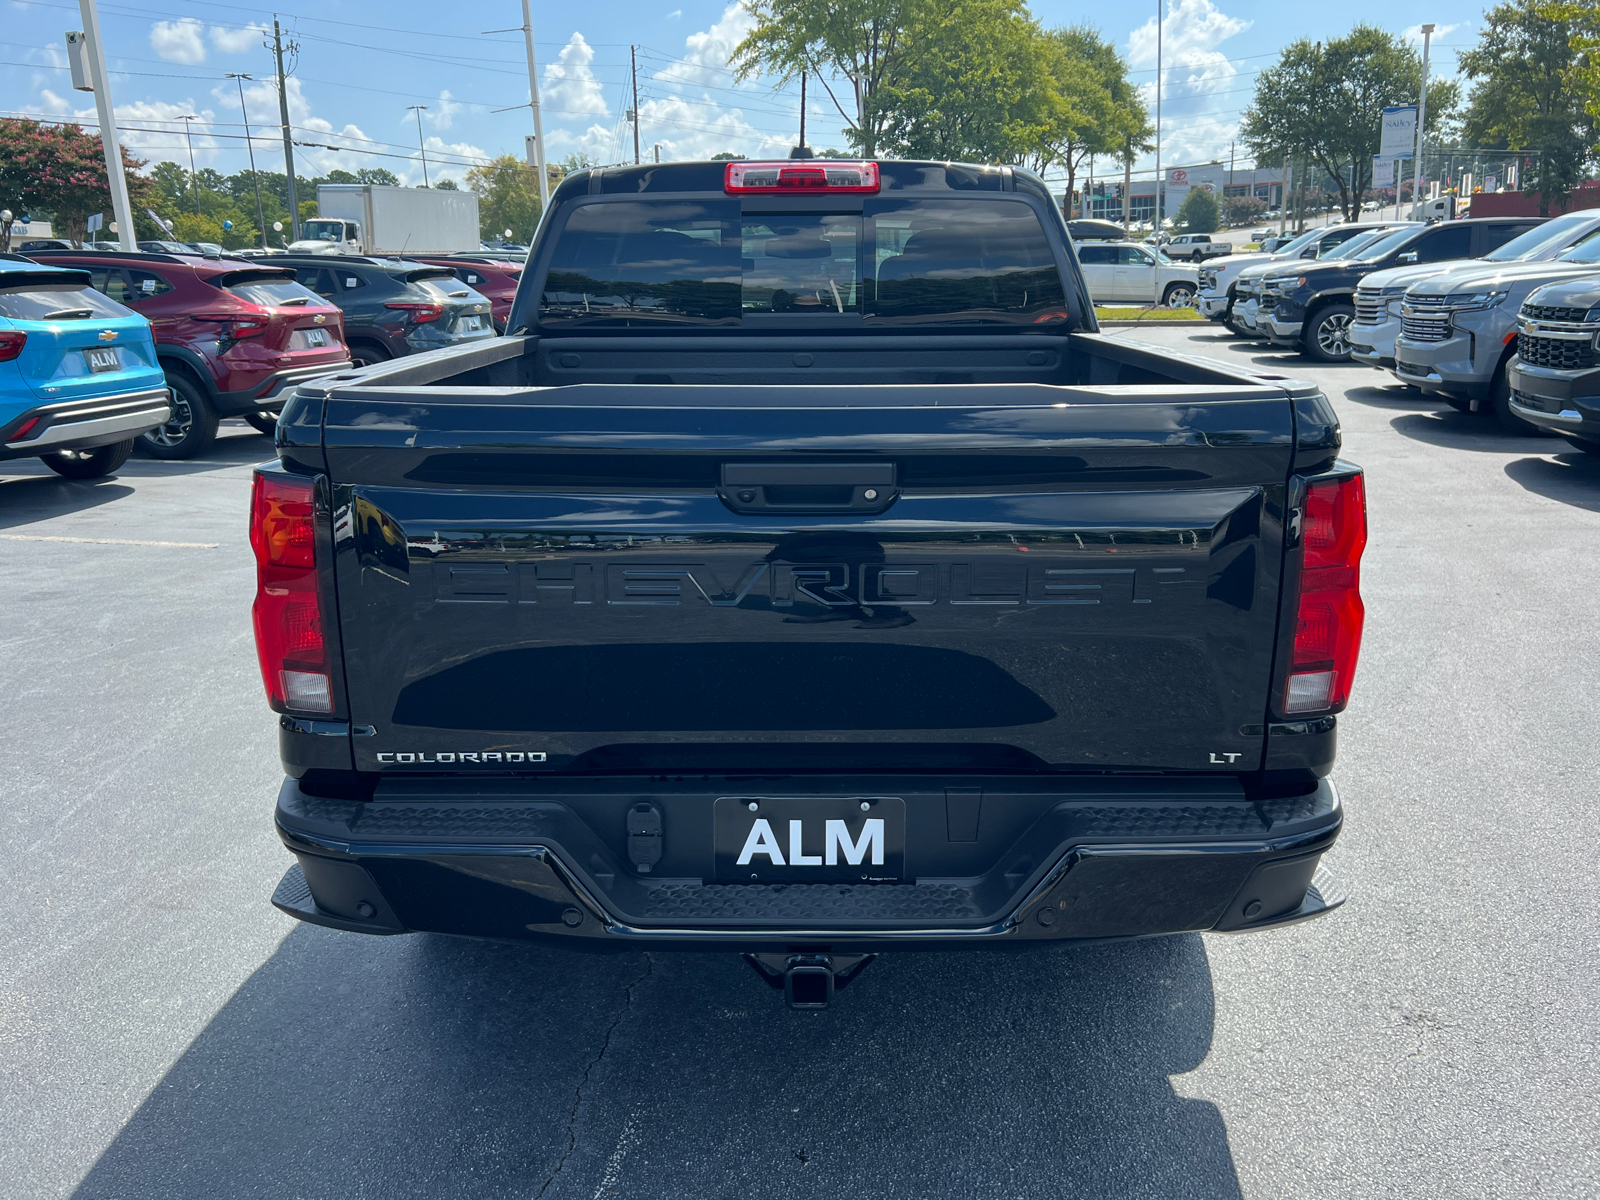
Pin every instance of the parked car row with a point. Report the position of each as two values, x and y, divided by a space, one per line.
233 336
1497 314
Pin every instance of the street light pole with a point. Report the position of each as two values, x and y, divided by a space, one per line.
188 136
1161 19
121 206
533 95
255 175
1422 115
419 109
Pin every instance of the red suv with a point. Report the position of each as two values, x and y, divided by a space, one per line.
495 278
233 336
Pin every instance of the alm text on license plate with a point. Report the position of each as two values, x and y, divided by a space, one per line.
809 839
102 358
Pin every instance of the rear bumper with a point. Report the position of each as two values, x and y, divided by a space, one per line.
87 423
270 393
511 862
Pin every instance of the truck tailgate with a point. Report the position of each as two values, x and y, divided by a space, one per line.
1049 577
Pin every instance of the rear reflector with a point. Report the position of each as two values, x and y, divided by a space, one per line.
1329 617
24 429
288 607
744 178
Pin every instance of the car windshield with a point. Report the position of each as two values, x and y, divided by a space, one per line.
1353 247
1386 243
1586 251
276 293
322 231
1300 242
447 289
1542 240
56 302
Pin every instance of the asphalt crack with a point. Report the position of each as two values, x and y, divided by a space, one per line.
583 1083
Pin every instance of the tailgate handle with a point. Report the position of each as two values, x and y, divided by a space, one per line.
808 487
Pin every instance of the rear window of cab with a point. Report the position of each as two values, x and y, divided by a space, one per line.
897 262
275 293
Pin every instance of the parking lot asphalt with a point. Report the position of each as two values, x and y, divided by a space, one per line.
165 1033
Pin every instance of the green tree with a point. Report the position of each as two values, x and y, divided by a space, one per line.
1241 210
727 156
1199 212
338 176
1098 112
447 185
979 88
61 170
866 44
1323 103
508 198
1530 92
378 175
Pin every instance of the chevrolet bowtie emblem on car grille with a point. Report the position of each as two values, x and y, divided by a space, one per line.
108 335
318 319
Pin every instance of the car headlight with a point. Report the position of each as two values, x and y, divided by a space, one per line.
1475 301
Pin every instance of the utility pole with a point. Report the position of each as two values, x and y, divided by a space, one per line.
1161 19
121 207
657 149
1422 115
1127 189
194 182
283 116
419 109
802 110
633 60
250 146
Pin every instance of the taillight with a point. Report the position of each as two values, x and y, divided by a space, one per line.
11 343
237 324
288 607
1327 636
421 311
835 175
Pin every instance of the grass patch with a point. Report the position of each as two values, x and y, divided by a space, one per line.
1146 312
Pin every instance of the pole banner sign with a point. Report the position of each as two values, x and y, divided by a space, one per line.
1398 138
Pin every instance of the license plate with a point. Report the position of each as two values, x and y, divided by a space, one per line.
469 324
308 339
810 839
102 359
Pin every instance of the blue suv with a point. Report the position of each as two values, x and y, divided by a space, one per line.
78 373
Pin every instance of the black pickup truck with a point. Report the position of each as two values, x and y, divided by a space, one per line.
804 575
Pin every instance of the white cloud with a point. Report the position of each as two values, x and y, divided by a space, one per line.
237 41
675 14
442 112
569 88
706 54
1413 33
179 41
1200 82
150 129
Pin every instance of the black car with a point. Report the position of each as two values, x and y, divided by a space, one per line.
1311 307
393 307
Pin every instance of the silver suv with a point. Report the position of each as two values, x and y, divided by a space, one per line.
1458 329
1379 295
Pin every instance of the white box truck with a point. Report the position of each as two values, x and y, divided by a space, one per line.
367 218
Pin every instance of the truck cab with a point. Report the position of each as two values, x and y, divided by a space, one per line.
325 235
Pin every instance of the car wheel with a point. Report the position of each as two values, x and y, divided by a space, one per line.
364 354
1178 295
88 464
1328 339
190 429
262 422
1500 405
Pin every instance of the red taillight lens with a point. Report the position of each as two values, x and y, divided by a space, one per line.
23 430
11 343
835 175
288 607
421 313
1327 638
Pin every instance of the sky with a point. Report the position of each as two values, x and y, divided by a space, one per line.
360 66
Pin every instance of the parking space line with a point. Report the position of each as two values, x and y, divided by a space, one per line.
33 537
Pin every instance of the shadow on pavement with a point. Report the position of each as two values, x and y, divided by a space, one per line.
1469 431
25 499
1572 478
1397 396
427 1066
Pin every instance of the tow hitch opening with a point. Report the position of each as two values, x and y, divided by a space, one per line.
808 980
